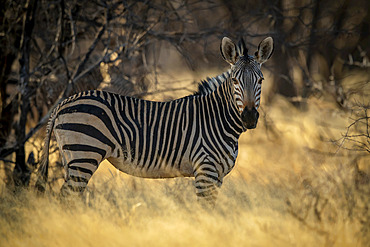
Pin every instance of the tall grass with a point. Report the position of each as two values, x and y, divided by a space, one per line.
291 187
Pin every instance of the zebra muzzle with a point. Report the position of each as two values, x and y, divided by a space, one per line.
250 118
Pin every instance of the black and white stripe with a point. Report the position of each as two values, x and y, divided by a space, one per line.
193 136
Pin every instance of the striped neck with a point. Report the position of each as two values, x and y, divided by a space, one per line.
211 84
223 88
224 94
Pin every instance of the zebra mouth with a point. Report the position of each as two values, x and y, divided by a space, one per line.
249 125
250 118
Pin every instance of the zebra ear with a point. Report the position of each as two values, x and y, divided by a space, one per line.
264 51
228 51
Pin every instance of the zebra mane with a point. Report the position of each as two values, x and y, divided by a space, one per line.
211 84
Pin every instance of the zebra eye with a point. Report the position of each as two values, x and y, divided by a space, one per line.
260 81
234 80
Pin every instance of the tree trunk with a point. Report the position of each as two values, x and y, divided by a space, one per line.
307 88
21 172
284 84
7 58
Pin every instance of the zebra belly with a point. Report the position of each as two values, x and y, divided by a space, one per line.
163 171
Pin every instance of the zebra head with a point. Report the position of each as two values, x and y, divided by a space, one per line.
247 76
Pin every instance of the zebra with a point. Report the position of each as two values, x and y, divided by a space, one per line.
194 136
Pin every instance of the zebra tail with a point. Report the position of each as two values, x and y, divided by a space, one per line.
42 176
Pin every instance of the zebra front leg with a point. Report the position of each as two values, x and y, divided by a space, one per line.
207 183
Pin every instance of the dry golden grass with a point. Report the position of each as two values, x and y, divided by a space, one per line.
291 187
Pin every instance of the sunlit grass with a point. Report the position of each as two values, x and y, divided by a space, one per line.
291 187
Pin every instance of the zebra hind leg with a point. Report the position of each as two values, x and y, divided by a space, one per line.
77 175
